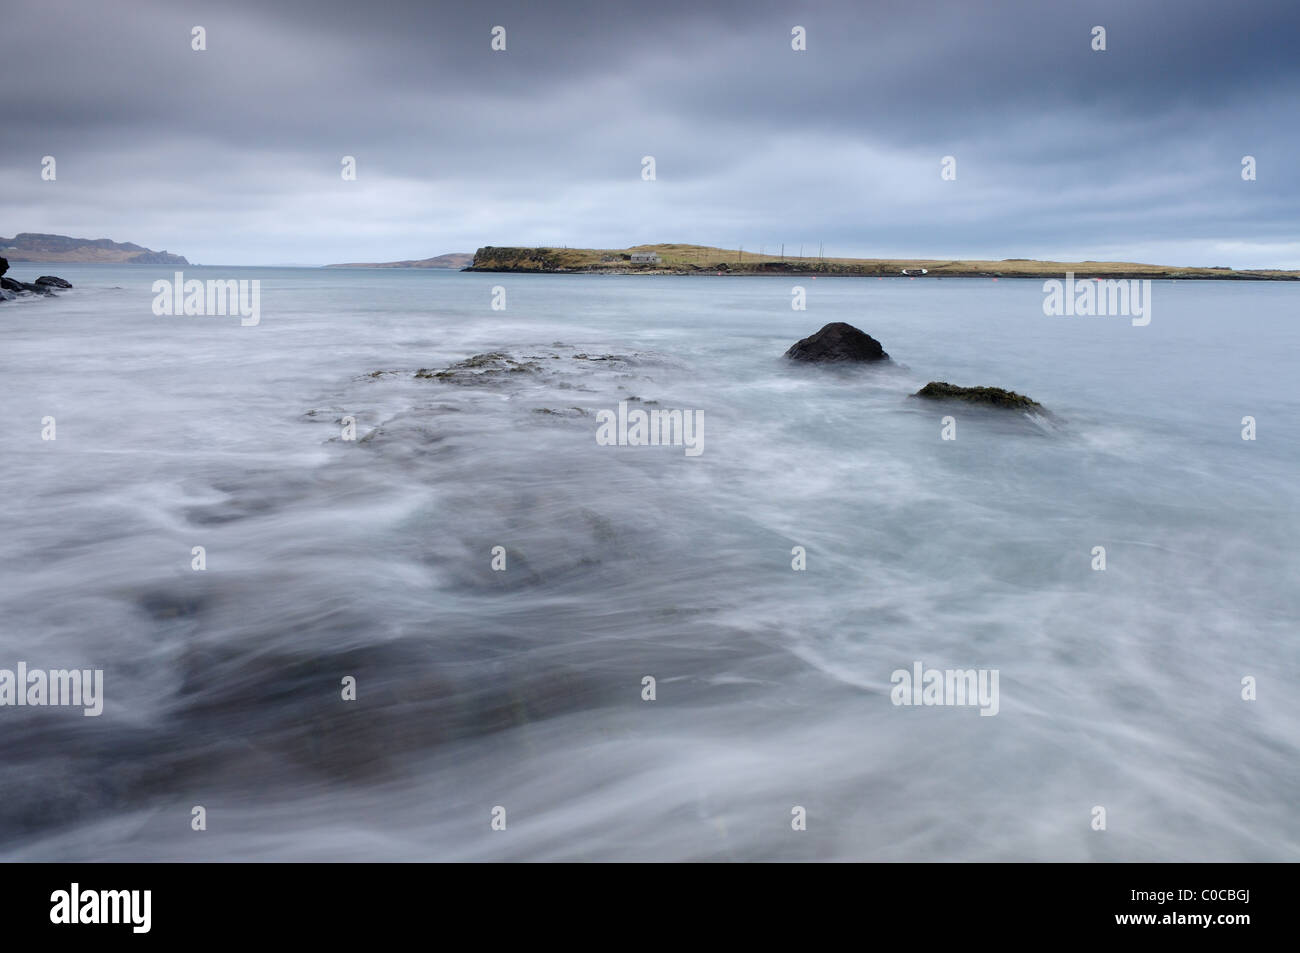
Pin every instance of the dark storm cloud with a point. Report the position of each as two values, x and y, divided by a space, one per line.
233 154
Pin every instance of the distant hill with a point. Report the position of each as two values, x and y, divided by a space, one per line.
703 259
31 246
458 259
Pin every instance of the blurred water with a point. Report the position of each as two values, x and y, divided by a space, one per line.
522 688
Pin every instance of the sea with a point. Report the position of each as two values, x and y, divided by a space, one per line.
348 609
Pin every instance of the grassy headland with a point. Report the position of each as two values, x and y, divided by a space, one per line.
702 259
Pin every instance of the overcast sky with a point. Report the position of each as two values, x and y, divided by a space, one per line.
233 155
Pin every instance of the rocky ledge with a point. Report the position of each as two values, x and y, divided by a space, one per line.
12 288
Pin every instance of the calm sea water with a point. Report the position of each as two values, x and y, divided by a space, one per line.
522 689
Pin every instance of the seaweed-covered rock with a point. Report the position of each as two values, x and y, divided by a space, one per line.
836 343
985 396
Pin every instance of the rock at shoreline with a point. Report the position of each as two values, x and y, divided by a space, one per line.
21 287
4 265
985 396
11 288
835 343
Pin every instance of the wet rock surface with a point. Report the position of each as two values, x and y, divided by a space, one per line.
11 288
836 343
983 396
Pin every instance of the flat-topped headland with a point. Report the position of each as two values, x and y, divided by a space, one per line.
705 260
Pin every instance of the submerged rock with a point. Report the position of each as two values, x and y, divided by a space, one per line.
986 396
480 369
837 342
564 412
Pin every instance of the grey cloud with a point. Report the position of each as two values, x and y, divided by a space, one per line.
232 155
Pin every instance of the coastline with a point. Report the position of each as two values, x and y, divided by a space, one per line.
703 260
1080 275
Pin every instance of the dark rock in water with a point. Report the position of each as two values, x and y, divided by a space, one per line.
43 285
986 396
837 342
4 265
